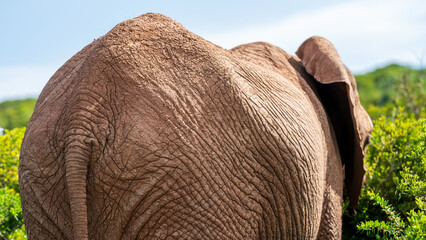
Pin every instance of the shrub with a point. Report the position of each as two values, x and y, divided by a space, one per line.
11 221
392 202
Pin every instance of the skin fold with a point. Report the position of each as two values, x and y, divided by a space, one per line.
151 132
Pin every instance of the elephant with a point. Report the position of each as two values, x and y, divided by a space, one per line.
152 132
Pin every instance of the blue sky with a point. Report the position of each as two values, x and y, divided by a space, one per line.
37 37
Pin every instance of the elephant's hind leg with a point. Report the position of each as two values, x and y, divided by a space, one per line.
39 222
331 219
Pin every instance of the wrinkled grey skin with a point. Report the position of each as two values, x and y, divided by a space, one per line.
151 132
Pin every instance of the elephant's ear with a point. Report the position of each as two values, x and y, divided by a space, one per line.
337 89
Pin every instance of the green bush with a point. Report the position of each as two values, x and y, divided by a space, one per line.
11 221
392 202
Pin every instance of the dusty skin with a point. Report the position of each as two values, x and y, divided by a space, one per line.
151 132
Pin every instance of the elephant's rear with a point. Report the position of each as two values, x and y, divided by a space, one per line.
42 166
41 177
41 184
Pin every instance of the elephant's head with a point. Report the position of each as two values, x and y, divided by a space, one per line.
338 92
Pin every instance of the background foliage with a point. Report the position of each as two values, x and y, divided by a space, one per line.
16 113
11 221
393 200
384 86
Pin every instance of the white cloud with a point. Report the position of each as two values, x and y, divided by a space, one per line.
366 33
24 81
